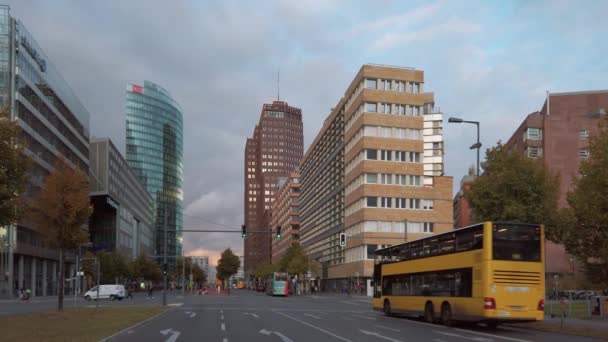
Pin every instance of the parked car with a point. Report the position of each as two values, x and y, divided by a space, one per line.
111 292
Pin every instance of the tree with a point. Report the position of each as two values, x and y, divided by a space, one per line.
198 275
515 188
61 210
14 165
264 271
585 227
295 260
228 264
145 268
114 266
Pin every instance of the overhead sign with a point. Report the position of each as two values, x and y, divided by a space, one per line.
137 89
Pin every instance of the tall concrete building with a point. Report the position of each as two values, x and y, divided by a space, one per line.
286 214
274 151
375 173
558 136
123 211
155 153
55 126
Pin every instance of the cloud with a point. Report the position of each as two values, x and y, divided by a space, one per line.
399 21
452 27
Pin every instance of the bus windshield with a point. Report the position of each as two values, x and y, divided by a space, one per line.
280 277
516 242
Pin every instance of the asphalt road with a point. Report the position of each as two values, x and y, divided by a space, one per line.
41 304
249 316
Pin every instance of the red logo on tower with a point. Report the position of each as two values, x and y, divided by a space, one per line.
137 89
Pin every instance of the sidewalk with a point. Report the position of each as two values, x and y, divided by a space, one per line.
572 326
38 299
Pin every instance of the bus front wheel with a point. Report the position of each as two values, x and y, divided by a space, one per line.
429 314
446 314
387 308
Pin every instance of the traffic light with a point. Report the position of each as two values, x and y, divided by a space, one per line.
278 232
342 239
244 231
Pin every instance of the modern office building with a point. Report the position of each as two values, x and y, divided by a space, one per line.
462 210
286 215
55 126
155 153
274 151
375 173
123 211
558 136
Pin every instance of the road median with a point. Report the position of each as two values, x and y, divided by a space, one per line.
74 324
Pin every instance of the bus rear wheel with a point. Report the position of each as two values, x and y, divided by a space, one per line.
387 308
429 314
446 314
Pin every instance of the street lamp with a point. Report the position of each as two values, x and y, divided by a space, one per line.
476 145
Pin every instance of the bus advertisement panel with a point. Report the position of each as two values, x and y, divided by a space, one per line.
278 285
491 272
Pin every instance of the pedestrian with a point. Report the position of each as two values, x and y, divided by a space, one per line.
129 292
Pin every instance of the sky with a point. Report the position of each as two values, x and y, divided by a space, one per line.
490 61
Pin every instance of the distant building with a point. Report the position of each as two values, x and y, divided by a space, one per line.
123 211
462 210
374 172
240 274
274 151
286 214
155 153
55 126
202 262
558 136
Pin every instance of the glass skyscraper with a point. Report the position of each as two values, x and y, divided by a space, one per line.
155 153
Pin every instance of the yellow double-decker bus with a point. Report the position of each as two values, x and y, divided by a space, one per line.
492 272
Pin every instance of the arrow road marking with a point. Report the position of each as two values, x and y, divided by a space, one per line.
251 314
192 315
311 315
223 327
373 333
174 334
281 336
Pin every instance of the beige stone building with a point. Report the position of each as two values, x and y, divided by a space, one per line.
374 172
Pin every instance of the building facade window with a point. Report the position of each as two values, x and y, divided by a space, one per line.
535 152
583 152
533 133
584 134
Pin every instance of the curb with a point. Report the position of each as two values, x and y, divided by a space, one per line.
106 339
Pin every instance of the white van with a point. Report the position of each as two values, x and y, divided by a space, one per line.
106 291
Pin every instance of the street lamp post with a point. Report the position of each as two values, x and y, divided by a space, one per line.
477 145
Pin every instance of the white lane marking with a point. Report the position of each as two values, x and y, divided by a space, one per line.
192 315
351 303
373 333
311 315
365 317
176 304
439 340
251 314
313 326
491 335
222 317
480 339
223 327
174 334
387 328
225 340
130 332
281 336
221 311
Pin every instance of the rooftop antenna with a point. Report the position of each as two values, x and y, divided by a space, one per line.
279 85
